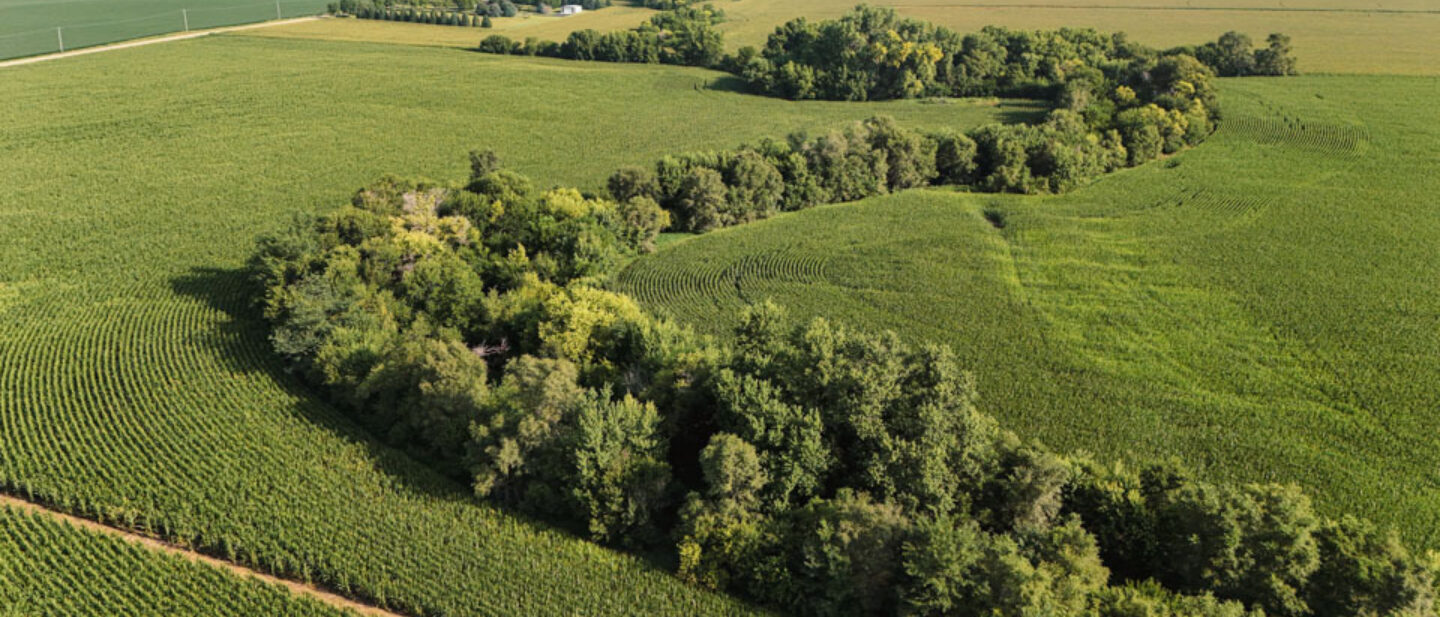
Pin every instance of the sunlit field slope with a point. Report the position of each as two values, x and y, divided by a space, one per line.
51 568
136 381
1264 307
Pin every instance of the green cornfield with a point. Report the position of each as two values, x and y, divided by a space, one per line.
137 386
103 576
31 28
1262 307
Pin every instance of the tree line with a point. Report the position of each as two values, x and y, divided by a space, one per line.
685 35
1234 55
808 466
1165 105
871 53
1115 104
474 13
427 16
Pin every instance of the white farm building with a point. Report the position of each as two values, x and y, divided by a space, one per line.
571 9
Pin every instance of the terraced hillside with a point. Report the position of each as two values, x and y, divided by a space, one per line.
136 384
1263 306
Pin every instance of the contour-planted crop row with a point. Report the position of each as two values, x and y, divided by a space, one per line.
1274 124
1229 205
681 288
690 288
792 264
103 576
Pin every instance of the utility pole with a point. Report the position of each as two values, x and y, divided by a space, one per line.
186 14
61 38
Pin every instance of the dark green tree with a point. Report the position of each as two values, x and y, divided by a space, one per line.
700 201
630 182
1275 58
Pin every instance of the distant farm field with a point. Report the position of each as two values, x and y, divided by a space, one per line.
1330 36
136 382
1263 307
520 27
29 27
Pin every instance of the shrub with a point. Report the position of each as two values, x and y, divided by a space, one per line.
498 44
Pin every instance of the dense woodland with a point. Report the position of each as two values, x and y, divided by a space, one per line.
807 466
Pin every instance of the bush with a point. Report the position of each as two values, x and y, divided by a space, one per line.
498 44
700 200
643 220
630 182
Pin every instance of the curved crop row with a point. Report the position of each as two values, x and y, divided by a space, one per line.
1216 201
690 288
1282 127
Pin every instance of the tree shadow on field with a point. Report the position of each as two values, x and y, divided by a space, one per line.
730 83
1022 111
242 342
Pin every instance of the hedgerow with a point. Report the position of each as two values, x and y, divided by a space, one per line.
684 35
1116 104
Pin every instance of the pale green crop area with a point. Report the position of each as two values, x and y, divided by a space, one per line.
1263 307
136 381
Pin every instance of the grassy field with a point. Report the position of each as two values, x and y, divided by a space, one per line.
28 27
48 568
1263 307
136 381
